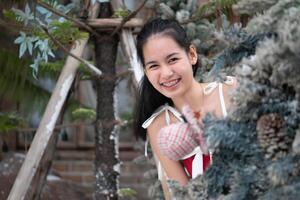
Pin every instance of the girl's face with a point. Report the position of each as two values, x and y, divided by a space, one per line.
168 66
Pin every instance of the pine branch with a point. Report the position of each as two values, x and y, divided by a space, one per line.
79 23
59 44
127 18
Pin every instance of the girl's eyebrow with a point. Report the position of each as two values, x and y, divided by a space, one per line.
167 57
150 62
172 54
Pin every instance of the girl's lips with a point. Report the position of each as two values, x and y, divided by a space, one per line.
171 83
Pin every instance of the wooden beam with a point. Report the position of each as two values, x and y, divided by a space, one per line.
114 22
32 173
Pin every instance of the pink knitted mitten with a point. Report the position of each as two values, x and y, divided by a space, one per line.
179 139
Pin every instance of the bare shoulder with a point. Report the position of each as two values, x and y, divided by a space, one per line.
157 124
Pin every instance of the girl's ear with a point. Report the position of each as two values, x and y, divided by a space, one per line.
193 54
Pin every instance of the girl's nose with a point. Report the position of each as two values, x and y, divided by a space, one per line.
166 72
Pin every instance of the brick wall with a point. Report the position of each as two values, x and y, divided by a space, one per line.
78 166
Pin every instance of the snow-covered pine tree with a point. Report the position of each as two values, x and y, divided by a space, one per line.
256 148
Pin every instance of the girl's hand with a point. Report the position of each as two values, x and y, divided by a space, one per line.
179 139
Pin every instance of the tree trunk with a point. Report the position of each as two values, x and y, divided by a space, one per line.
106 162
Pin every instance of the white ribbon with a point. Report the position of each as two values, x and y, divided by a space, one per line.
161 109
211 86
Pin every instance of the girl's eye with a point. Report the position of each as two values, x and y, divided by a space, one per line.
152 66
173 60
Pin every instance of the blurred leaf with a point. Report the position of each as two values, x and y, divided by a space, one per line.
26 16
127 192
10 121
84 114
122 13
9 15
213 6
65 32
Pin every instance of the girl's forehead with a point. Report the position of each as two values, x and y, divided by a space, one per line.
160 47
160 42
160 36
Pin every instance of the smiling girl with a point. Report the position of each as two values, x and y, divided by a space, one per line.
170 62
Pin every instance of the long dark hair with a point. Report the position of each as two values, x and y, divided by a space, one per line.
149 99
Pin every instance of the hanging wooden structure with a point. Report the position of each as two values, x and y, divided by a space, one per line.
32 175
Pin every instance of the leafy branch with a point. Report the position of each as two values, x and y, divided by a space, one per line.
128 17
49 32
58 43
79 23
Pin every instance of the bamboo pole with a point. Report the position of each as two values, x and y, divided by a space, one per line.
28 180
129 48
114 22
33 172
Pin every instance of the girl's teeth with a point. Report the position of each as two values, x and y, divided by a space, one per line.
171 83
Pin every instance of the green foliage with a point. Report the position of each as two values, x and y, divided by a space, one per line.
127 193
215 6
66 32
25 16
84 114
10 121
128 116
121 12
9 15
26 43
51 69
17 84
37 43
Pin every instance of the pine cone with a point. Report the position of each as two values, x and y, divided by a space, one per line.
272 136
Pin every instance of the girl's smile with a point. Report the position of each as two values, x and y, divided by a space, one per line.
168 66
171 85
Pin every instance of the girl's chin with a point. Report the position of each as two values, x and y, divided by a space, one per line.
172 95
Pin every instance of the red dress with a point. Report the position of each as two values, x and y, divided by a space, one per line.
187 163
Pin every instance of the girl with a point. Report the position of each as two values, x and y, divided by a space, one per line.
170 62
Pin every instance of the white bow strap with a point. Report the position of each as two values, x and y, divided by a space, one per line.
229 80
161 109
211 86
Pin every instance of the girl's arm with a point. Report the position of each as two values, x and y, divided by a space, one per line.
173 169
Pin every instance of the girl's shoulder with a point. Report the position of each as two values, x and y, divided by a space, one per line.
163 116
